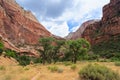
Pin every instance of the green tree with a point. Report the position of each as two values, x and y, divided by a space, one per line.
77 48
46 49
56 49
50 49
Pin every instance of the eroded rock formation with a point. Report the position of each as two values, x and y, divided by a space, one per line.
19 26
108 27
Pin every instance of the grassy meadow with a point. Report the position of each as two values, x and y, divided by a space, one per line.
10 70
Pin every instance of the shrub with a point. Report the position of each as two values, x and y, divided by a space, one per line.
10 53
1 47
53 68
97 72
117 63
2 68
23 60
37 60
73 67
67 63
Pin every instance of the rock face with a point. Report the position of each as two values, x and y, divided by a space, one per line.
19 26
79 32
105 29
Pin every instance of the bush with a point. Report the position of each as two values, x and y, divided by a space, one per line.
1 47
117 63
53 68
67 63
23 60
2 68
10 53
73 67
97 72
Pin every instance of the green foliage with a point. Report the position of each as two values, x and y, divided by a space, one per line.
67 63
36 60
10 53
117 63
50 49
53 68
76 48
1 47
108 49
23 60
97 72
73 67
2 68
89 56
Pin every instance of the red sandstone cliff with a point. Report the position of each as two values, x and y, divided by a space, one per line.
105 29
19 26
79 32
19 29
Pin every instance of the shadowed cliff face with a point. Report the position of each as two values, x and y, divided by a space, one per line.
105 29
19 26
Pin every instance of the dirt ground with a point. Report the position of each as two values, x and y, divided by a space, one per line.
10 70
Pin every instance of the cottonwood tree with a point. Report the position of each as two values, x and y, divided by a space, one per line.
45 52
50 49
76 48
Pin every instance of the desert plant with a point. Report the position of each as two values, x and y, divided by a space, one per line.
117 63
2 68
73 67
97 72
66 63
53 68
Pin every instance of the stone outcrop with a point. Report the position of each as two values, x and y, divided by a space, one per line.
105 29
19 29
79 32
19 26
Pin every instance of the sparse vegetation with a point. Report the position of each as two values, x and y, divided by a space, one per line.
117 63
73 66
97 72
2 68
53 68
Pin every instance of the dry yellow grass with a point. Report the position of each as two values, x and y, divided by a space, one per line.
13 71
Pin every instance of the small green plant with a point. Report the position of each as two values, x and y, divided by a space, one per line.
67 63
26 68
97 72
73 67
2 68
117 63
53 68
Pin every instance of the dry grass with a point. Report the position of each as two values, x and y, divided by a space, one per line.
13 71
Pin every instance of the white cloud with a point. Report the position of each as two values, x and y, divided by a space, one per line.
58 29
55 20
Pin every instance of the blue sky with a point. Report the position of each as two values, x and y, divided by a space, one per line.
61 17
